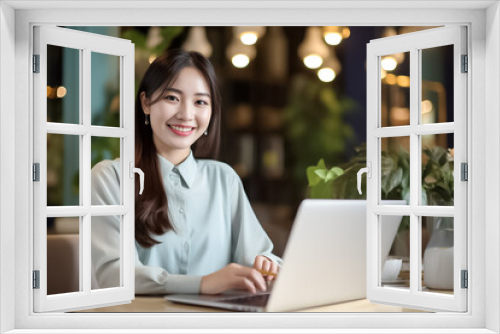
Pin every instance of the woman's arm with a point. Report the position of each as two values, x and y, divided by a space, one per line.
249 240
106 243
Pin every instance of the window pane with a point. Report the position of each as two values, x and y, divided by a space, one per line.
395 168
438 250
63 255
107 148
437 170
106 252
63 170
395 90
437 85
395 251
105 89
63 85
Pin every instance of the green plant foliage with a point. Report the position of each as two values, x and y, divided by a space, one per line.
136 37
345 186
395 174
320 179
437 178
315 126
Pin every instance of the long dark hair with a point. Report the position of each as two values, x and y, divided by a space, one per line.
151 214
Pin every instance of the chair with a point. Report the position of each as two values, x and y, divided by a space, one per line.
63 264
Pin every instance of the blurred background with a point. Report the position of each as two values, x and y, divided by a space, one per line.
294 114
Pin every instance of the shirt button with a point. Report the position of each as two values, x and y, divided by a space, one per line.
181 210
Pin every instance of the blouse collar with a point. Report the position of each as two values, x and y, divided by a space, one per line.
186 169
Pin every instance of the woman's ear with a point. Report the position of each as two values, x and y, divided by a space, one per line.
144 103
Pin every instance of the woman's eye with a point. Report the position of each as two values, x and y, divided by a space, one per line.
170 98
201 102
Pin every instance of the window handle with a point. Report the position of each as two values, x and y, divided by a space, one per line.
133 170
368 171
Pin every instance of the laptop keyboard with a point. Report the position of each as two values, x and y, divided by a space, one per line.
252 300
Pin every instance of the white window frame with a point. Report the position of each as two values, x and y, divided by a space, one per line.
415 43
85 43
483 20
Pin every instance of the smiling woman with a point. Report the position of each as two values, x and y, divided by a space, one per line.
207 239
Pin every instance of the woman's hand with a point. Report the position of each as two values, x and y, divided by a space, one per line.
233 276
267 267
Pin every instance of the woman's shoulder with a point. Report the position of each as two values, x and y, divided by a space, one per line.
214 166
107 168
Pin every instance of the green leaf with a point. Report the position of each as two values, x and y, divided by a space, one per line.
391 180
329 176
321 173
321 164
337 171
312 177
333 173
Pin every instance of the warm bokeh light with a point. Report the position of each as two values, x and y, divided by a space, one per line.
390 79
326 74
51 92
313 61
400 57
400 114
152 58
403 81
248 38
346 32
240 60
333 38
389 63
313 49
426 106
383 73
61 92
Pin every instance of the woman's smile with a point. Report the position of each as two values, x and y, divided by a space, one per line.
181 130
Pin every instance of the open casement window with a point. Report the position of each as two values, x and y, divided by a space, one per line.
417 148
83 113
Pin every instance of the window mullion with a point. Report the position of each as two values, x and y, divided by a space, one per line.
414 170
85 168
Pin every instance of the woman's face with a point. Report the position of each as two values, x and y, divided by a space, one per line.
181 116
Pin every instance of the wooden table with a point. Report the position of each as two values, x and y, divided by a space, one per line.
154 304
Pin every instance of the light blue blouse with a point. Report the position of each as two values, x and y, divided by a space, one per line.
214 225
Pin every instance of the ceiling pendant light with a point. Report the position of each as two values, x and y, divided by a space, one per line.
197 41
249 35
313 50
334 35
330 68
240 54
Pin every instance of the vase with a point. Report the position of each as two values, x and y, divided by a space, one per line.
438 255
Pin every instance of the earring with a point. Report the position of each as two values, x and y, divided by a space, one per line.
205 133
146 121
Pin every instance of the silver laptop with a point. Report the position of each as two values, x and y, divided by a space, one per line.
324 261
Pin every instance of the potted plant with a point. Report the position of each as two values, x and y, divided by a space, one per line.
437 189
